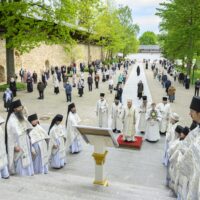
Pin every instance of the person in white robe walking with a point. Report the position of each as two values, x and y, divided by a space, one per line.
153 118
165 110
73 136
116 115
142 114
39 140
18 142
129 121
57 146
3 155
102 111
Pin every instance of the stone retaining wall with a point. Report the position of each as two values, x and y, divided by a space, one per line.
43 57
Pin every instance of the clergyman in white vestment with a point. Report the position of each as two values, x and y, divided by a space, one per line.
129 122
57 146
39 140
73 136
170 135
165 110
18 143
3 155
153 118
102 112
142 114
116 115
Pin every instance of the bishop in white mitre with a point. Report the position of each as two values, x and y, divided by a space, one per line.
142 114
39 140
165 110
170 135
116 115
153 118
73 136
3 155
57 146
102 111
17 141
129 121
172 158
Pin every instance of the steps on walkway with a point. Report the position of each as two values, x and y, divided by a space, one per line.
58 186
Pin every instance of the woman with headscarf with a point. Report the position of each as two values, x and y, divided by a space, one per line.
29 82
13 87
57 143
55 83
73 136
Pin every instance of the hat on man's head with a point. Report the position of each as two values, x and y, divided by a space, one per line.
179 129
32 117
16 104
59 117
70 106
144 98
195 104
164 98
117 98
102 94
185 130
175 116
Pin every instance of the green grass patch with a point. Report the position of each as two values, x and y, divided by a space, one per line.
20 86
184 70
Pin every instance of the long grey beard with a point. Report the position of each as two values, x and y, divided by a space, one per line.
20 116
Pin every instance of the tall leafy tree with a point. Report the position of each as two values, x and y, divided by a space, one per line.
116 32
87 12
181 27
25 24
148 38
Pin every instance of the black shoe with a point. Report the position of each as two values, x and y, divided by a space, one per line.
162 133
114 130
118 131
142 132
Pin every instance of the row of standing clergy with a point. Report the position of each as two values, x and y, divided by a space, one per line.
29 149
182 156
124 119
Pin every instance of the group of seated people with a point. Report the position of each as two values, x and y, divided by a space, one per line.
182 155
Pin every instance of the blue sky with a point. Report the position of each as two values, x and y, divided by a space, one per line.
143 12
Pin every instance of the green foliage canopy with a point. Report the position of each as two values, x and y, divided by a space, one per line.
148 38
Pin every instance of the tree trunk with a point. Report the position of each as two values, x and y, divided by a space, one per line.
102 56
189 66
10 62
89 56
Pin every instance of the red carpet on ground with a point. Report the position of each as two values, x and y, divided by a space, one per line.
131 145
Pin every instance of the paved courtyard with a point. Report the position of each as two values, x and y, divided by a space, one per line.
132 174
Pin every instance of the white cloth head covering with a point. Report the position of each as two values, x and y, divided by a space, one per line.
175 116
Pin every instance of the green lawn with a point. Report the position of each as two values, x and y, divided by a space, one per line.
20 86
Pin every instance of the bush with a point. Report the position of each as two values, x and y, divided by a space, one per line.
20 86
70 74
86 69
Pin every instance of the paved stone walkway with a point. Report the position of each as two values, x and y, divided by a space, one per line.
128 171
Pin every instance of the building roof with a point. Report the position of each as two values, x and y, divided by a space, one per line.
147 47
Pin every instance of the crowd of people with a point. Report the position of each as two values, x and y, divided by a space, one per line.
181 155
30 149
